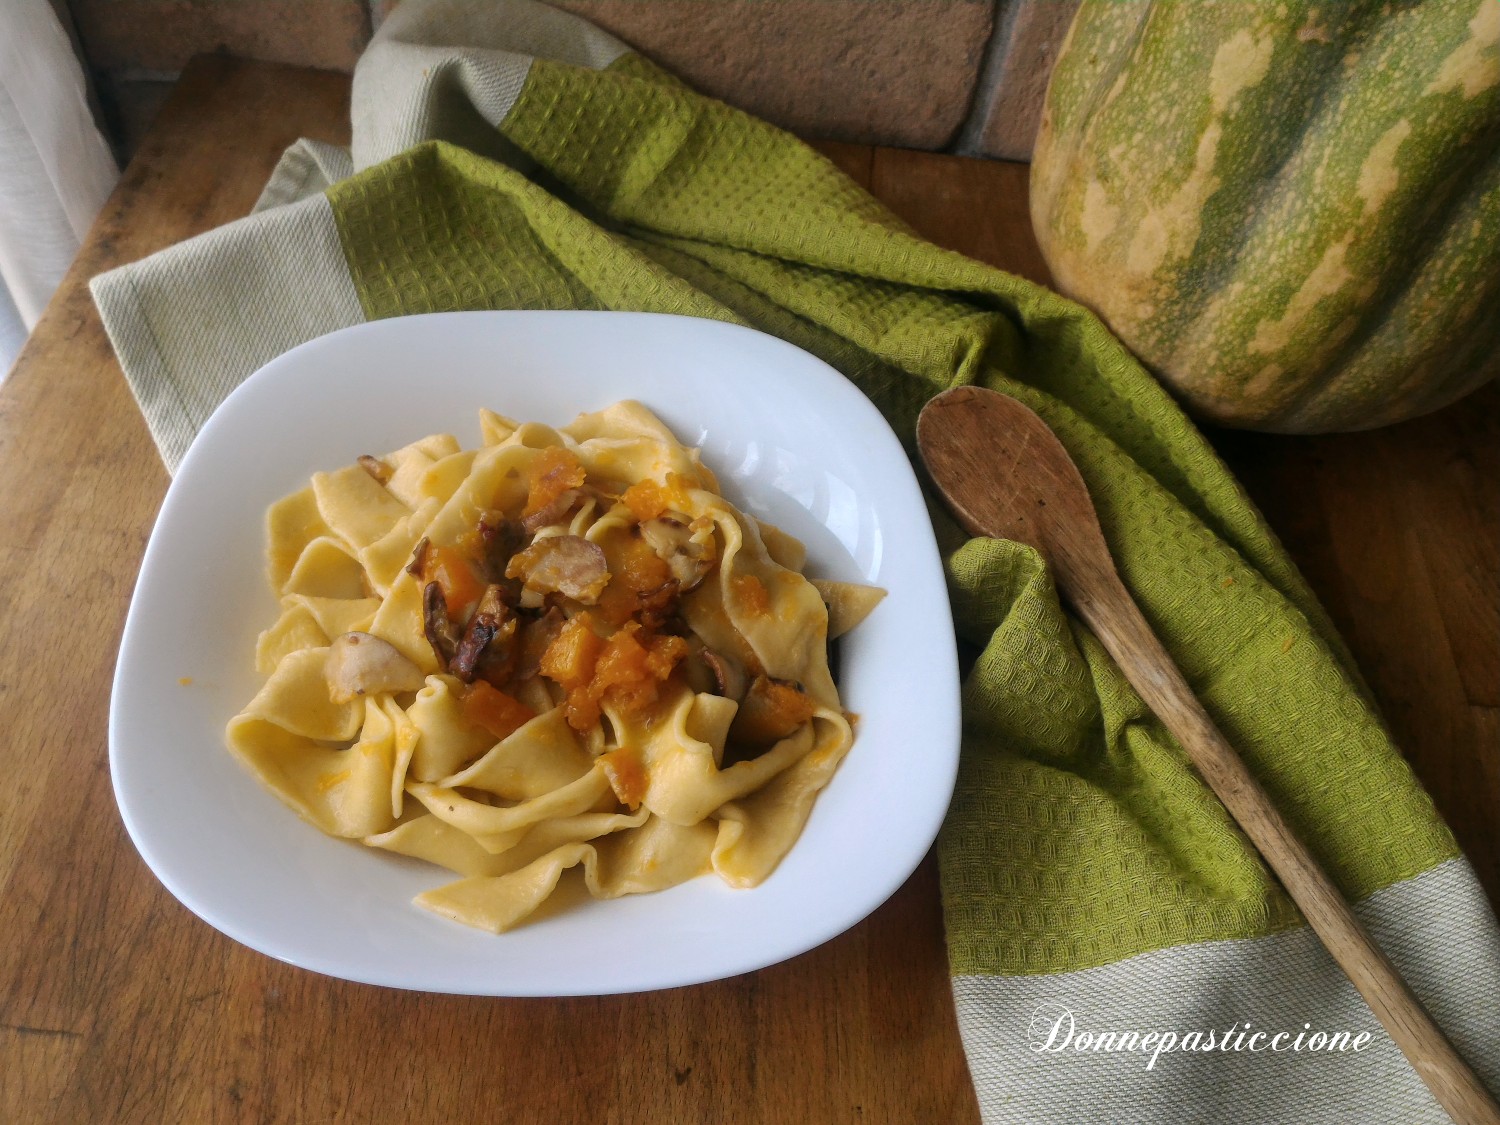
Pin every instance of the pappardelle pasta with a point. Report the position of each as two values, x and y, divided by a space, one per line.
563 649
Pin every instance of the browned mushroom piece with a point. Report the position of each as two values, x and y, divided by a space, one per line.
486 639
562 564
657 605
729 677
418 559
442 634
375 467
536 637
362 664
552 512
501 539
688 549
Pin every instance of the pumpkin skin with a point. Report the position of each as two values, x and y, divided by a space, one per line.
1289 211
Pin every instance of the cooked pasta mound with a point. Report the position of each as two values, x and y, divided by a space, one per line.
563 649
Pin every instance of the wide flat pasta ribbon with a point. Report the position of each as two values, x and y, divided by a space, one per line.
416 773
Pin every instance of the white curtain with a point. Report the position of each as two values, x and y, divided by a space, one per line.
55 169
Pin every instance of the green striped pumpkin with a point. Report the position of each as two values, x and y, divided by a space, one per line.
1290 211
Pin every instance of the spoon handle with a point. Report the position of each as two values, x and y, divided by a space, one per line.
1104 604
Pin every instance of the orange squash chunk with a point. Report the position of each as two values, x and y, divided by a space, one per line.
663 653
569 661
627 775
553 471
647 499
488 707
633 666
449 568
622 672
770 711
639 579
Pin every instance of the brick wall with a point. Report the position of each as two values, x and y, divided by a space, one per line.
955 75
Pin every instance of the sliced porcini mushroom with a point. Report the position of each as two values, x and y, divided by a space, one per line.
487 636
363 664
442 634
375 467
687 548
659 606
502 538
552 512
848 603
418 559
729 676
562 564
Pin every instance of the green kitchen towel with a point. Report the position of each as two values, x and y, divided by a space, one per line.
1118 951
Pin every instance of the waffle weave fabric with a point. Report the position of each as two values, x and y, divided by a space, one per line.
510 156
1079 834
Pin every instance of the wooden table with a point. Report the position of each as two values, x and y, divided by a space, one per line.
120 1006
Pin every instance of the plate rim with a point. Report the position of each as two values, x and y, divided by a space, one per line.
947 716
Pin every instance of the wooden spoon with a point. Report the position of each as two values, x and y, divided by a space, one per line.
1005 475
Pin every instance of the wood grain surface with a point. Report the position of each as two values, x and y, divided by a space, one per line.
117 1005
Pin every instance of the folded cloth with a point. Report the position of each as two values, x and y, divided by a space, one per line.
1097 898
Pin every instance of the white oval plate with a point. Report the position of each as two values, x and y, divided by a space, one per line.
792 442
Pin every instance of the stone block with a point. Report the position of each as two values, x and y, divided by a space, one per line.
1008 104
925 74
895 72
161 35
